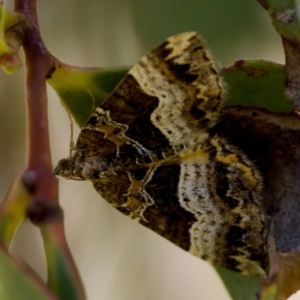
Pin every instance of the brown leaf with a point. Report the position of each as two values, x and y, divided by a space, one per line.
284 276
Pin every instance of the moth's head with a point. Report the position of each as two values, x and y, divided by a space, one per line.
88 168
64 168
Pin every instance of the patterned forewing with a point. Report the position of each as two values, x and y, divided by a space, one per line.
149 152
165 103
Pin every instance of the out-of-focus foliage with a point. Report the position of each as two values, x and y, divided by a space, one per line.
18 281
12 211
7 20
9 41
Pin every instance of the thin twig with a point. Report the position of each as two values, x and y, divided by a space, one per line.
44 209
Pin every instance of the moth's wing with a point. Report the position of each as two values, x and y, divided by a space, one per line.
208 203
148 152
164 104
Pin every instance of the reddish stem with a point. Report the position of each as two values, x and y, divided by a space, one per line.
39 178
38 62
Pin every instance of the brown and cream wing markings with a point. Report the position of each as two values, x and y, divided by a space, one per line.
149 152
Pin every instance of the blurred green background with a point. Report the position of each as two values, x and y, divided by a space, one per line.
118 259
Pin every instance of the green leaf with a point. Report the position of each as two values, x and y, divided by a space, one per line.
13 211
270 292
259 84
239 286
7 20
10 41
82 90
18 281
63 276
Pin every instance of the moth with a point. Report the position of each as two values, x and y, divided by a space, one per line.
150 152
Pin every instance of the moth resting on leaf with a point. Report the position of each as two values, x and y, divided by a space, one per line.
149 150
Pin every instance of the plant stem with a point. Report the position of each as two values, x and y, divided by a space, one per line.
44 209
286 21
38 63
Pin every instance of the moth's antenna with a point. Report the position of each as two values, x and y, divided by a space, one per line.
71 135
93 99
70 159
